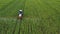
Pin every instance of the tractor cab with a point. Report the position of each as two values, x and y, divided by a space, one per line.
20 13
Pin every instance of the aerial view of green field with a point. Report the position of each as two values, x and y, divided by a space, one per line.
40 17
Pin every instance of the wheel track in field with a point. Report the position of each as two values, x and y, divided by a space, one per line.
21 6
21 20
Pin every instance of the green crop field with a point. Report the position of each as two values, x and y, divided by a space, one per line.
40 17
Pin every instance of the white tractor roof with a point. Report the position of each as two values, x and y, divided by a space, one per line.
20 10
